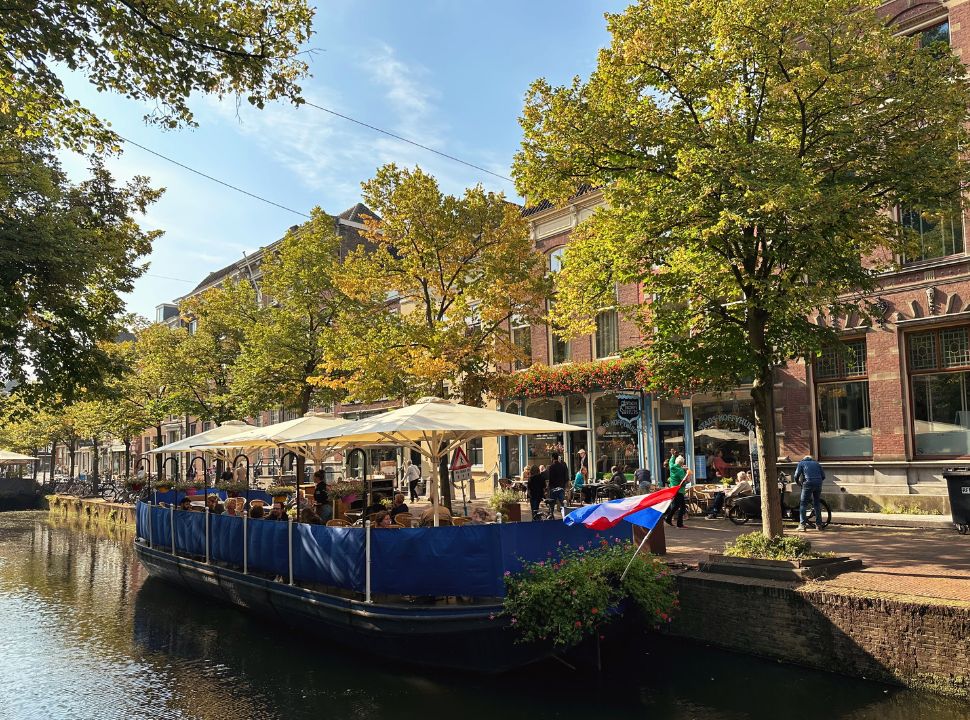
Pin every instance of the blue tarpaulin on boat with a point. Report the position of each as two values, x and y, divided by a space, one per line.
469 560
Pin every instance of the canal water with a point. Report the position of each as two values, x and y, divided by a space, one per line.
85 633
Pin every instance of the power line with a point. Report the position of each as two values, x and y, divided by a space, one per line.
409 142
166 277
214 179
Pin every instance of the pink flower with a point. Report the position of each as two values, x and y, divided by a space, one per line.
594 611
492 616
507 573
579 623
514 621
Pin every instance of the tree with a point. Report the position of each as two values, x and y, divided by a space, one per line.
91 420
286 332
67 252
748 153
29 428
158 53
435 290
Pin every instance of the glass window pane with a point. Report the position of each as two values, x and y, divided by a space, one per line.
934 233
827 365
855 360
559 347
940 417
955 348
616 422
541 447
607 335
922 351
843 420
522 340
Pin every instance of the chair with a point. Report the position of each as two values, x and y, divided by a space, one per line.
337 523
459 521
403 519
373 516
255 503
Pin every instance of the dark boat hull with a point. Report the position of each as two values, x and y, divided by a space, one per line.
467 637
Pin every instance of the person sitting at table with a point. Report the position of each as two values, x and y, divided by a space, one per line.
185 503
278 512
741 487
213 505
617 484
383 520
321 496
398 506
578 482
427 517
309 516
234 506
479 516
376 506
256 512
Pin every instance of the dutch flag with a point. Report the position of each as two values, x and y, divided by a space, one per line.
643 510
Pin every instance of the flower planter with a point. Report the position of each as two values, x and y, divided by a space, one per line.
790 570
163 488
512 512
280 498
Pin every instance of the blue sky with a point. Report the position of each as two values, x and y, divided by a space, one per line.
450 74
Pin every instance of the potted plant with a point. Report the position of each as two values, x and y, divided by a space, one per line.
232 488
190 487
134 483
163 485
281 493
507 503
347 491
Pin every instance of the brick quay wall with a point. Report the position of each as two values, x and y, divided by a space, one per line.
914 642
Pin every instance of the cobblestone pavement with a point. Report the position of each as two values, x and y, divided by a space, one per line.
919 562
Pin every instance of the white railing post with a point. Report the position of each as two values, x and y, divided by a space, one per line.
207 513
245 543
171 514
498 518
290 528
367 561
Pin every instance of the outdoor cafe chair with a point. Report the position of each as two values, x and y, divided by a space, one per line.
459 521
404 519
337 523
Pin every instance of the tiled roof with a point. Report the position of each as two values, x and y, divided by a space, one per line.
355 213
215 277
546 205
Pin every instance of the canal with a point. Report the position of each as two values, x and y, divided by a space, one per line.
87 634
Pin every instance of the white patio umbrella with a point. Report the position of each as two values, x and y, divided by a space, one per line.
230 427
434 427
8 457
283 434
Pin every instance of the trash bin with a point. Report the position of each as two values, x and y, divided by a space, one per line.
958 488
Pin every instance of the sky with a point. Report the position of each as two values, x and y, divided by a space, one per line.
449 74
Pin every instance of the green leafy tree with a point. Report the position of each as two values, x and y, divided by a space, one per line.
434 292
748 153
158 52
67 252
286 333
29 428
92 420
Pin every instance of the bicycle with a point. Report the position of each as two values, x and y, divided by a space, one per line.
748 507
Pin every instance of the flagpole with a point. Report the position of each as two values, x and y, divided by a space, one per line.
639 548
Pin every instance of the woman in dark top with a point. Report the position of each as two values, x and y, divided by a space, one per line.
537 488
321 498
398 506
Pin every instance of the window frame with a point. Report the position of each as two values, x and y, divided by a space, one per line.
517 325
843 375
616 335
939 368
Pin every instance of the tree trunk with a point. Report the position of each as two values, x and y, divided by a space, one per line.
159 467
72 449
127 456
764 419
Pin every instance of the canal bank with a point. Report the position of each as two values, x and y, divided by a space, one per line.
99 639
94 510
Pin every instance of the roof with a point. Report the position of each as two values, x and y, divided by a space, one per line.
215 277
546 205
356 213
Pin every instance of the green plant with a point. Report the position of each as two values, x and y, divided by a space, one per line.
387 502
232 486
499 500
188 485
894 509
782 547
134 483
276 490
574 594
345 488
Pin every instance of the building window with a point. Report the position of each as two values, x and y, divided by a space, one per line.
607 334
935 36
842 400
558 348
616 423
475 451
939 366
555 260
932 234
513 459
522 342
540 448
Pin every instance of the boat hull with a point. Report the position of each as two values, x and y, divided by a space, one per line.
467 637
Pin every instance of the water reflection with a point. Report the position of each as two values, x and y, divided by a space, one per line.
88 635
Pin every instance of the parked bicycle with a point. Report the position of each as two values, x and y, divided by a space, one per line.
748 507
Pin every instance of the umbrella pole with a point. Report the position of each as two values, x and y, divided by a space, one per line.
435 452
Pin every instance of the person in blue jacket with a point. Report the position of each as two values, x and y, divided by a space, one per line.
810 473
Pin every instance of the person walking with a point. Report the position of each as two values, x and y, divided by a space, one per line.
811 475
412 475
641 476
678 507
558 475
537 489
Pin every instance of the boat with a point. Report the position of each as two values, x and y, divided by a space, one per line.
431 597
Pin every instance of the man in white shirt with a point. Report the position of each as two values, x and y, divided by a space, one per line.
412 474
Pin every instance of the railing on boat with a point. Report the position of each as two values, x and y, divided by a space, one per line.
470 560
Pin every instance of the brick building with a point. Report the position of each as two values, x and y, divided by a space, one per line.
886 418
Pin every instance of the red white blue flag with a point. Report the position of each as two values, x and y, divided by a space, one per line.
643 510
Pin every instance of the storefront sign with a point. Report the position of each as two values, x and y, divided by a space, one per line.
628 411
726 419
